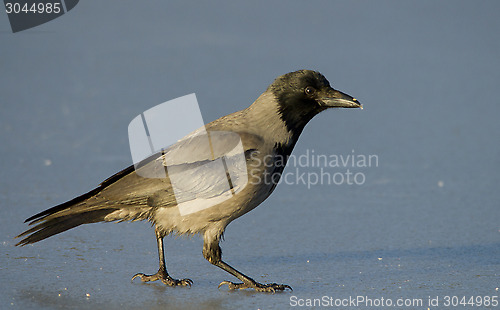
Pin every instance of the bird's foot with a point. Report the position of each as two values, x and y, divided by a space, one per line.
270 288
164 277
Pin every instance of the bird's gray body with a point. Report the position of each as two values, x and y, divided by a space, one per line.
259 135
268 131
134 197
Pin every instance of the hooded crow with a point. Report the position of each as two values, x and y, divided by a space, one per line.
267 131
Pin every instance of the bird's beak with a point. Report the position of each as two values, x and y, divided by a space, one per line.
336 99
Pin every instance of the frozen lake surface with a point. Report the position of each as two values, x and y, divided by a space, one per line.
423 224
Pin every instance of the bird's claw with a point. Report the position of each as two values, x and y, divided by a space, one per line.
165 279
270 288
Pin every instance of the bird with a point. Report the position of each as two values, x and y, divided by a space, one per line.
250 144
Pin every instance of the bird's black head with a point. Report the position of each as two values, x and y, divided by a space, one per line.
303 94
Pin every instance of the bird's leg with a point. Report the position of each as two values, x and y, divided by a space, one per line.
213 253
162 273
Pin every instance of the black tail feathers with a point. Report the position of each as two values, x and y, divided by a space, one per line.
51 224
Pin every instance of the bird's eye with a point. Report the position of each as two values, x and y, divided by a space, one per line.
309 90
